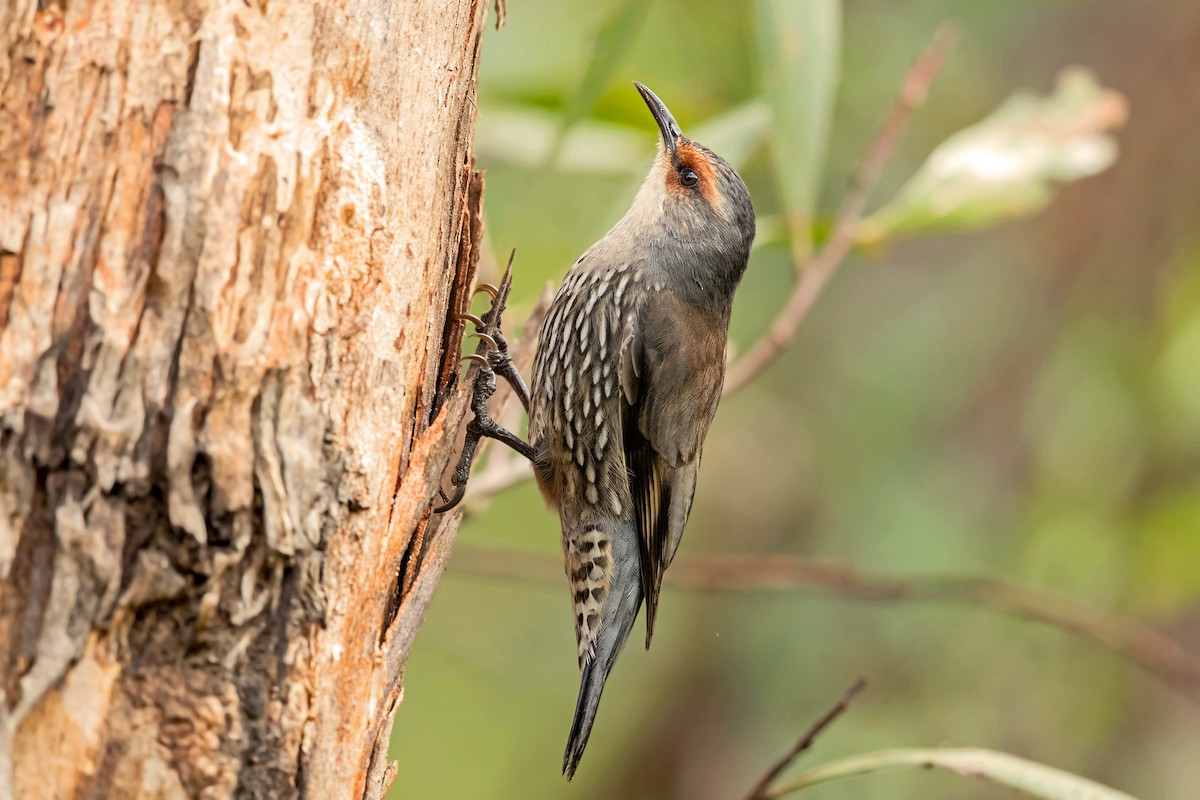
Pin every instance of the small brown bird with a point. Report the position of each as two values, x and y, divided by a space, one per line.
626 382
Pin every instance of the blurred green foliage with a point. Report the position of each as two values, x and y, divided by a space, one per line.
1022 401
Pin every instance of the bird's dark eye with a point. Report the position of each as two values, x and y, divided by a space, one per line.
688 177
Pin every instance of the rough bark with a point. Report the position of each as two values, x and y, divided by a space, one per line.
230 234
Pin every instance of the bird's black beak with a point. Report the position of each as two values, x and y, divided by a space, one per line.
666 122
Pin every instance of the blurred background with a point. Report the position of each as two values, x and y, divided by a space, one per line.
1019 399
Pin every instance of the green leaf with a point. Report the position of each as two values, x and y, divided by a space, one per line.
1027 777
799 47
1008 164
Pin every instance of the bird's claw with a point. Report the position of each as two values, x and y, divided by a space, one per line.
452 500
493 359
487 330
480 426
478 359
490 341
474 320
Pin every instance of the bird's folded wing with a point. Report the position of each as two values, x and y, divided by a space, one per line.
672 367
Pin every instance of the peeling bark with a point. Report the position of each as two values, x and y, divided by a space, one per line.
230 235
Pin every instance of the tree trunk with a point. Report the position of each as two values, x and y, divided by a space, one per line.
230 235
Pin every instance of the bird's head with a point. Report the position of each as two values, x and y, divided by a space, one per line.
693 196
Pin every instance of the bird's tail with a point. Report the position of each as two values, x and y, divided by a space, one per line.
590 688
617 616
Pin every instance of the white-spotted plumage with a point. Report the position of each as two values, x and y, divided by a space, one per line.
575 423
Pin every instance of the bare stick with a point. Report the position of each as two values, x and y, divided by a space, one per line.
1145 647
806 741
815 274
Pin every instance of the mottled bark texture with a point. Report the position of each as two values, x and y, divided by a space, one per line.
230 234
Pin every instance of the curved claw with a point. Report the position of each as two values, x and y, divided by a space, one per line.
488 288
488 340
474 320
459 491
478 359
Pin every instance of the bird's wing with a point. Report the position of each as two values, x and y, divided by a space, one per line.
672 367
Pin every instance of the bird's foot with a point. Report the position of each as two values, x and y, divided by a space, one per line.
493 359
489 333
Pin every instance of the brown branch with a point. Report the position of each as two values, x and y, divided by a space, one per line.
759 792
1145 647
816 273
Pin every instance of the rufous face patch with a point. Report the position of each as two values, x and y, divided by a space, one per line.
695 159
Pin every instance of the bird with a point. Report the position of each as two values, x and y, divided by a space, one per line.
625 384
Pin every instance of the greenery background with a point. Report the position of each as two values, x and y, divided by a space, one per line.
1021 401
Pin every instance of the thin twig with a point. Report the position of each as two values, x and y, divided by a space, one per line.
1145 647
806 741
815 274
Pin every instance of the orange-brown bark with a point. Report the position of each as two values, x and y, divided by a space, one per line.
230 233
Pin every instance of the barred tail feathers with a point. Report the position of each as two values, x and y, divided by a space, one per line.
605 581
